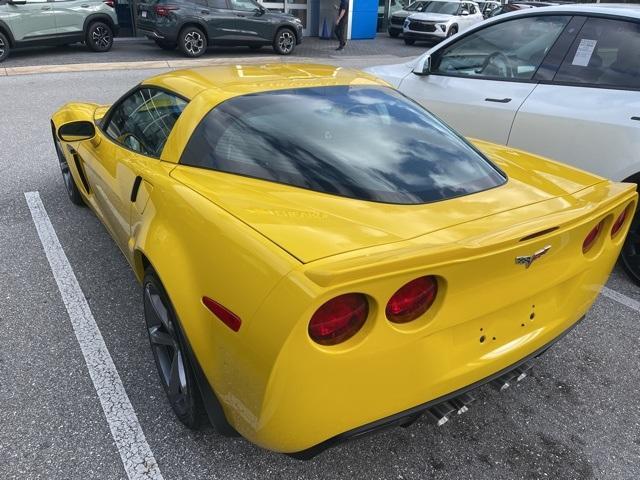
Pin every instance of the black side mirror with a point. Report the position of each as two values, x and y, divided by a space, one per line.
259 11
77 131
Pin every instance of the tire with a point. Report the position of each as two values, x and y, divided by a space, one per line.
255 47
630 255
164 45
4 47
99 37
394 34
409 41
452 31
192 42
171 355
69 182
284 42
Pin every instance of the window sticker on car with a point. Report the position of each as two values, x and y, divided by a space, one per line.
144 14
584 52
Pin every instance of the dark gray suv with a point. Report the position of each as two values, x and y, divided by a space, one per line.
193 25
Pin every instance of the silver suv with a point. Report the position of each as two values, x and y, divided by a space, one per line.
27 23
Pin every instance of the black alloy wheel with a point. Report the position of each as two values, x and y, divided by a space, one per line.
192 42
4 46
99 37
67 177
285 41
630 255
171 355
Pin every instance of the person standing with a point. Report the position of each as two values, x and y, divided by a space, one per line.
341 23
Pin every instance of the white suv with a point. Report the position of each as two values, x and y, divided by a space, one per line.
441 19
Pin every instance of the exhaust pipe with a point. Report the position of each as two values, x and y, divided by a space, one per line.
439 414
516 375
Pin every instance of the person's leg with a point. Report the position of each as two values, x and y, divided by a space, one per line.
342 33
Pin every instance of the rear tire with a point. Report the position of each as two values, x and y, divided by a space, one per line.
630 255
192 42
164 45
171 354
409 41
99 37
285 41
4 47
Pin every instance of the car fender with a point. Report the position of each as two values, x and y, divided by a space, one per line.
101 17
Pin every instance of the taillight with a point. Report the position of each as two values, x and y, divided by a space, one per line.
412 300
164 10
617 225
229 318
339 319
591 237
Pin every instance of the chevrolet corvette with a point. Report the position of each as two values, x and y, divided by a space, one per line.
320 257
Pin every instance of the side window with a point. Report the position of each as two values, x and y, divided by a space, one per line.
605 53
218 4
472 9
244 5
512 49
144 120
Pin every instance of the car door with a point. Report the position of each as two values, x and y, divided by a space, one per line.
477 82
129 144
251 22
34 20
589 114
70 14
220 19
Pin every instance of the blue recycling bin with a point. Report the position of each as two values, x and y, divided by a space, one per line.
364 19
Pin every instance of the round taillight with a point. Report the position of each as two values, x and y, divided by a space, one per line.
591 237
412 300
339 319
617 225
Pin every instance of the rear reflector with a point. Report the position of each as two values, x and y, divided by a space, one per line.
339 319
412 300
229 318
591 237
617 225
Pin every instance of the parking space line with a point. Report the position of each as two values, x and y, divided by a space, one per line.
137 457
620 298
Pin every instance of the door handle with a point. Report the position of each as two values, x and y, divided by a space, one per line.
498 100
84 5
635 118
46 8
204 12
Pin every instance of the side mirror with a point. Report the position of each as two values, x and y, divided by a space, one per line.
464 13
77 131
423 67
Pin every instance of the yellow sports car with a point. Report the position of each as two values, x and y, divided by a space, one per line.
321 257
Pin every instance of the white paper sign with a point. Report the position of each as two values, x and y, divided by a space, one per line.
584 52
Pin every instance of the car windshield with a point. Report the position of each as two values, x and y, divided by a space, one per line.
363 142
417 7
447 8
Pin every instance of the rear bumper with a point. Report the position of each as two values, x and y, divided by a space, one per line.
409 416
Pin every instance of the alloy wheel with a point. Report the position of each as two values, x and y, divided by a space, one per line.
166 348
286 41
2 47
101 37
193 43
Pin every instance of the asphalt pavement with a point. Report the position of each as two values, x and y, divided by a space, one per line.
577 417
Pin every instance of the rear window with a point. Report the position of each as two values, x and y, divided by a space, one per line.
368 143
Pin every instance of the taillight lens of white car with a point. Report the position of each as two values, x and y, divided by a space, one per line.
339 319
412 300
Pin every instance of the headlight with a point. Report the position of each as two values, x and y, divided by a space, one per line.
406 23
443 27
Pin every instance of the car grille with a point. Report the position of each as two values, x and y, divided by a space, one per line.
422 26
397 21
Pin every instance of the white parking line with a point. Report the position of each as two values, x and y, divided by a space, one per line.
620 298
136 455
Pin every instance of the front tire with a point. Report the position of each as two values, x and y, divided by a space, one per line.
630 255
192 42
452 31
99 37
171 355
4 47
69 182
285 41
409 41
